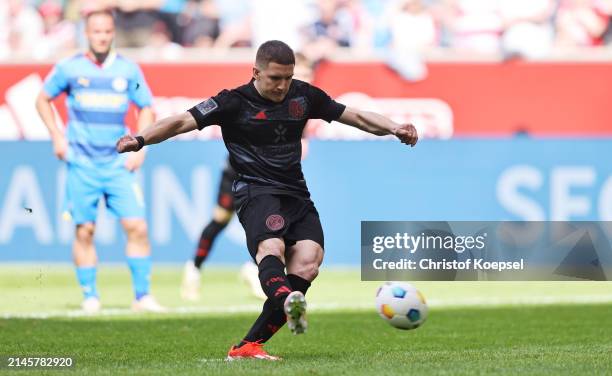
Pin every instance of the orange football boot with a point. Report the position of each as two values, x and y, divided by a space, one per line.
250 350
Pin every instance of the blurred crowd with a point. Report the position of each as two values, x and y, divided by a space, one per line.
41 29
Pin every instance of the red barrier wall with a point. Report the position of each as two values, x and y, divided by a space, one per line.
485 98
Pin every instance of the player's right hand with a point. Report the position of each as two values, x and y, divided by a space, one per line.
407 134
127 143
60 147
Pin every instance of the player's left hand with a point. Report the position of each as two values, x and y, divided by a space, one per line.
127 143
135 160
407 134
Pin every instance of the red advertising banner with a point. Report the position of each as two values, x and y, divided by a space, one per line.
455 99
497 98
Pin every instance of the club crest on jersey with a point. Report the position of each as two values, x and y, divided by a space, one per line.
275 222
297 107
120 84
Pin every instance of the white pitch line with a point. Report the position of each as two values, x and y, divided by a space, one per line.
322 307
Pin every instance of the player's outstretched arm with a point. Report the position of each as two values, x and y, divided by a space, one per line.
379 125
159 131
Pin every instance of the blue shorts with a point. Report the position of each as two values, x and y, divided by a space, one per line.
86 185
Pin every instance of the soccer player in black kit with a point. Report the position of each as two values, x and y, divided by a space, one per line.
223 212
262 123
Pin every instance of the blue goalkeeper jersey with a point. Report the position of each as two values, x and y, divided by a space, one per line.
98 98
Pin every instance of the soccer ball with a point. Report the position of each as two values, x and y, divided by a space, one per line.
401 305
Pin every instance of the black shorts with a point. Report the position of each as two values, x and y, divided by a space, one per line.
268 216
225 197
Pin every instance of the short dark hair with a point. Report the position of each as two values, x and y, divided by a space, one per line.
274 51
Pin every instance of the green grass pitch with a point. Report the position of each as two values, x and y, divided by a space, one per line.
473 328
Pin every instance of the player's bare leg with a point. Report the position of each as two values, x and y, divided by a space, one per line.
86 259
83 249
138 252
303 261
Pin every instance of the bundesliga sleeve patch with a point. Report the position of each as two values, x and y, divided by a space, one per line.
207 106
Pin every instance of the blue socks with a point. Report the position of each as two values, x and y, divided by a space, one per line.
141 275
140 267
87 281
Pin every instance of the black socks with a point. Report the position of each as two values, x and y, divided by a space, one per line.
274 281
277 286
207 238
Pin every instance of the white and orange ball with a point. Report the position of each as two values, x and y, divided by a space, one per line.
401 305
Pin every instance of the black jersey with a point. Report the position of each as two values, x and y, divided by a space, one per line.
264 137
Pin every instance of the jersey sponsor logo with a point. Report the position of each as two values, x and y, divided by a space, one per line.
207 106
275 222
120 84
296 107
281 133
100 100
261 115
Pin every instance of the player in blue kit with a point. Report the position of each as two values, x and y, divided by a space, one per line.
100 86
